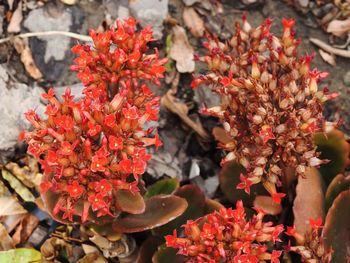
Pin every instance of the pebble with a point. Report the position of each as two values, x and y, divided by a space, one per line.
15 100
347 78
150 13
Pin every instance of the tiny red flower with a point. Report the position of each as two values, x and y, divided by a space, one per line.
45 186
266 133
277 197
245 183
315 223
115 143
94 129
97 201
103 187
75 190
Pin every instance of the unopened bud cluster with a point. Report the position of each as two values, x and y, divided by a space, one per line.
271 105
227 236
93 147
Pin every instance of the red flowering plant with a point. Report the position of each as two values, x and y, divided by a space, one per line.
227 236
93 150
271 105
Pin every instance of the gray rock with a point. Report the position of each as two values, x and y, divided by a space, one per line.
15 100
117 9
204 96
347 78
162 163
39 20
52 53
150 13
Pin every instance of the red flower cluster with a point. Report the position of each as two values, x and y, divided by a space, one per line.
117 55
93 147
226 236
270 103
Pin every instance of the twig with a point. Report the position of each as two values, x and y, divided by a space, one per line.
48 33
330 49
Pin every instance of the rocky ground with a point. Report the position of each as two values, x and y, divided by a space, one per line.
29 66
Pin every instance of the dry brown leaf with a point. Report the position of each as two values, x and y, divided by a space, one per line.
15 23
26 57
180 109
25 229
309 200
193 21
6 242
25 175
52 246
181 51
329 58
10 222
10 206
339 27
266 203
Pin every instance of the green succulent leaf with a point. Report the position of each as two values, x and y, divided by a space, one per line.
229 179
335 148
196 203
212 206
336 231
165 186
159 211
148 248
129 202
339 183
167 255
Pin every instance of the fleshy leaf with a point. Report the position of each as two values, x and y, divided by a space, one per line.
229 179
309 200
20 255
211 206
165 186
196 202
129 202
335 148
167 255
336 231
266 203
159 211
148 248
340 183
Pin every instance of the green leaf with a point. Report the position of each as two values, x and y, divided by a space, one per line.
129 202
335 148
336 231
167 255
20 255
229 179
196 203
159 211
20 189
165 186
148 248
340 183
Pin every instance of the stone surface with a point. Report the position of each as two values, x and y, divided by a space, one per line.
347 78
150 13
52 53
15 100
39 20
